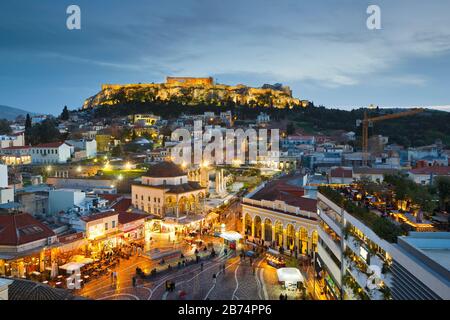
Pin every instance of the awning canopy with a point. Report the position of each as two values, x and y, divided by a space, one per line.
274 252
292 275
231 235
82 259
72 266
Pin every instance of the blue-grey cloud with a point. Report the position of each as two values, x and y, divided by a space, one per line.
322 49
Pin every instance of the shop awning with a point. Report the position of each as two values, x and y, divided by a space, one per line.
231 235
82 259
292 275
274 252
72 266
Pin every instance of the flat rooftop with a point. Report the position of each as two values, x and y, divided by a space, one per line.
434 245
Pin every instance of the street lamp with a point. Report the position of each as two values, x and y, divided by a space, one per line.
128 166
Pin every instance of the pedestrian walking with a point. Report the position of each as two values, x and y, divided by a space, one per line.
201 266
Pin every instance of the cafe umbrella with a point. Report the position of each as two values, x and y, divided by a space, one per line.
54 271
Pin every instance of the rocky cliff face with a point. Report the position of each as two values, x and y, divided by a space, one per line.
277 96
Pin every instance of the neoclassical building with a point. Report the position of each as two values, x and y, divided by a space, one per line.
166 191
279 214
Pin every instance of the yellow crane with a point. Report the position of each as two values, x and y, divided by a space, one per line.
368 122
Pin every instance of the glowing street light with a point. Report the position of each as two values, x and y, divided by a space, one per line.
204 164
128 166
49 168
120 177
79 169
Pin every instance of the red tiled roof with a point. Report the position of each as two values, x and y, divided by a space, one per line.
49 145
274 188
306 204
165 169
300 137
22 228
17 148
110 197
122 205
436 170
340 172
290 194
127 217
98 216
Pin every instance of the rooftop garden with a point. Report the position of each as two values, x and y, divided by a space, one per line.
383 227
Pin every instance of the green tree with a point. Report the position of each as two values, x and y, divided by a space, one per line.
290 128
43 132
28 122
442 185
117 151
4 127
64 114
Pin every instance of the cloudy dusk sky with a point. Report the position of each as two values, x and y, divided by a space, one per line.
322 49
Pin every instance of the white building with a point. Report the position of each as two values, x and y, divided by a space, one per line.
64 199
145 119
3 176
262 118
16 155
344 258
355 261
420 266
165 191
341 175
53 152
279 214
100 225
4 284
6 195
14 140
426 175
89 146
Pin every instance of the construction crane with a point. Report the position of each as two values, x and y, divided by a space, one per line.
368 122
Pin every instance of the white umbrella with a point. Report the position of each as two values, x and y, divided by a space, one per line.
54 271
292 275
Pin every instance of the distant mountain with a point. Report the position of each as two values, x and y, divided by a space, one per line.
11 113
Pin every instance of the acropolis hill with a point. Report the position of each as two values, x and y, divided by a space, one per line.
192 91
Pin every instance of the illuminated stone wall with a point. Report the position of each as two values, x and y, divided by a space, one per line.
189 81
195 90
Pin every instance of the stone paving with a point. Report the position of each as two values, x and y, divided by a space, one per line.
240 281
